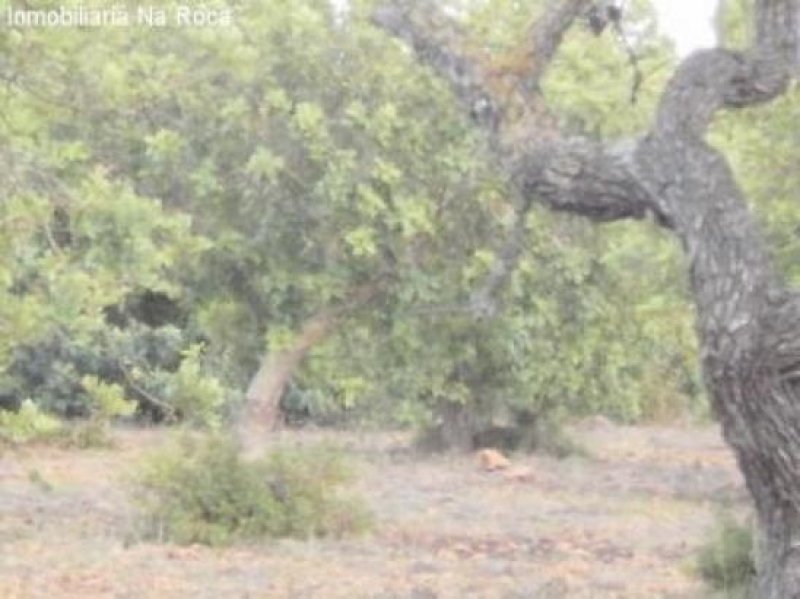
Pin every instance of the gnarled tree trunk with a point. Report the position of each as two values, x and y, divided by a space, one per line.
748 323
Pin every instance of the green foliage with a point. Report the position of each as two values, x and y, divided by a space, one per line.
190 394
735 23
79 239
594 321
107 401
53 368
726 562
194 394
202 491
29 423
251 179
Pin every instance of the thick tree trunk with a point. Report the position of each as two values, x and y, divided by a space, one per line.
766 444
748 323
261 413
743 313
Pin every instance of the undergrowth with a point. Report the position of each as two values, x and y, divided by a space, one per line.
726 561
202 491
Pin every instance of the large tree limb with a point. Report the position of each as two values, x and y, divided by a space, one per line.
603 182
583 177
440 43
519 128
577 176
490 96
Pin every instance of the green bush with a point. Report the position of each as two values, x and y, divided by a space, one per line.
29 423
107 402
51 369
190 394
726 562
202 491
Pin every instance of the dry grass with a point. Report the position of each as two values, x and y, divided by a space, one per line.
622 523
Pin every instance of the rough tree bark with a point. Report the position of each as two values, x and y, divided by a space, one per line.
747 320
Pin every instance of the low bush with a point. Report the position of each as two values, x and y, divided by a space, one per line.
726 561
202 491
29 423
107 401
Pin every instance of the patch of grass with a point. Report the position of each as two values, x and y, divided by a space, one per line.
202 491
726 561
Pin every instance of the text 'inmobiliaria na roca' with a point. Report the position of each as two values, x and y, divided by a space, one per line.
118 16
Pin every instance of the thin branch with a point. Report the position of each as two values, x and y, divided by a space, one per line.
633 60
51 240
169 411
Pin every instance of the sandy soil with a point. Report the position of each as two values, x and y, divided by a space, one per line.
622 523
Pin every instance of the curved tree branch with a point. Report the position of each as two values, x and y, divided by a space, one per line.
440 44
546 36
583 177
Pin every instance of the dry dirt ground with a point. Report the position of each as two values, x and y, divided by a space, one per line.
623 522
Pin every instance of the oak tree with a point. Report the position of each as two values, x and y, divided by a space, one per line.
748 319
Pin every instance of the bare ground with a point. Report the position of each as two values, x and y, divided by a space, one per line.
624 522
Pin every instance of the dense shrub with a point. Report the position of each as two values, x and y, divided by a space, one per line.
202 491
107 402
52 369
190 394
28 423
726 562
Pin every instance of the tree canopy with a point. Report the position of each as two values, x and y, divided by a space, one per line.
226 186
